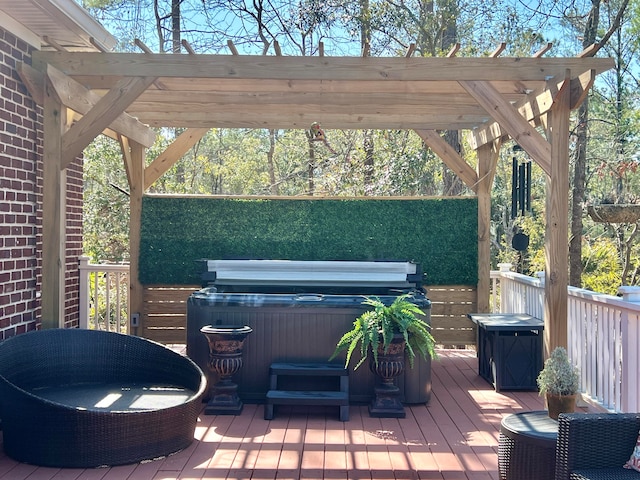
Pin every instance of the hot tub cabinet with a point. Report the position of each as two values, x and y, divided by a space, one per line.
295 327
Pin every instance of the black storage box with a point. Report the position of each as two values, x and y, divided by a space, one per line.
510 353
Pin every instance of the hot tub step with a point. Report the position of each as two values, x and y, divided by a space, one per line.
309 369
308 397
297 397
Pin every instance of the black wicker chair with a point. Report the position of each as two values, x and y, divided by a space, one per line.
86 398
595 446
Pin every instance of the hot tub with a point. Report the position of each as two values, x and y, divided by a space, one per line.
298 311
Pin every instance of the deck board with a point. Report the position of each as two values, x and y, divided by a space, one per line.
455 436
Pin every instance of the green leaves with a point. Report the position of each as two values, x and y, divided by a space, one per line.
382 323
439 234
559 376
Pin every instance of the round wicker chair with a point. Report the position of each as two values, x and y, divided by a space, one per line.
86 398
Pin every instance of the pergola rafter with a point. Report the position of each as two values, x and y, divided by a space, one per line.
493 98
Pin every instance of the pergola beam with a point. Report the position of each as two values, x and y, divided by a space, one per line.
512 122
450 157
172 154
33 80
299 100
80 99
103 113
580 87
321 68
302 121
537 104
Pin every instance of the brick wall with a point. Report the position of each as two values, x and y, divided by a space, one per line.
73 243
21 146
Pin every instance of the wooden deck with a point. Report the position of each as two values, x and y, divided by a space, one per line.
455 436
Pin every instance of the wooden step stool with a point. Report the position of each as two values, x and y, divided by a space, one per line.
296 397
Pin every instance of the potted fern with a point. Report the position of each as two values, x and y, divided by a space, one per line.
559 382
385 334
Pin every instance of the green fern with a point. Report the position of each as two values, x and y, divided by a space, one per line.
382 322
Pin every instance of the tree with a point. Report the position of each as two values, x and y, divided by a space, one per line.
105 231
582 21
580 163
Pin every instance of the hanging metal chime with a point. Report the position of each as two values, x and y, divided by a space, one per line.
520 188
520 198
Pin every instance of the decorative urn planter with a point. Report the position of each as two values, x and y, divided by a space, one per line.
226 345
386 403
380 334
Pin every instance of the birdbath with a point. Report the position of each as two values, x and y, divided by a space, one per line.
225 359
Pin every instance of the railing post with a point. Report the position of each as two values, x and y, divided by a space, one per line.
83 267
630 293
503 267
630 336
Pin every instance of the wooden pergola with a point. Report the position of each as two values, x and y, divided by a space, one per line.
493 98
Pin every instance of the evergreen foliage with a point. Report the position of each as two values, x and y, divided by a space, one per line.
559 376
439 234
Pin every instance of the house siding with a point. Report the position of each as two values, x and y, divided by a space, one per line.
21 146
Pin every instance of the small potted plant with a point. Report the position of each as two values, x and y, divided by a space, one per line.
385 334
559 382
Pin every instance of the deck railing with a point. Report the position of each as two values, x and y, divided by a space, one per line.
515 293
603 332
104 296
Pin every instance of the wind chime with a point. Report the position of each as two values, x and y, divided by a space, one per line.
520 186
520 197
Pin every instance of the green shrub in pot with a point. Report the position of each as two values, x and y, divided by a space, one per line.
559 382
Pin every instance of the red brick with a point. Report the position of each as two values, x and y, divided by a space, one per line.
20 194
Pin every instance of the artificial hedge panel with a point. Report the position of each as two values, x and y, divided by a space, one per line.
440 234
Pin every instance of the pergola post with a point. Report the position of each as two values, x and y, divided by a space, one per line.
487 161
557 214
135 169
54 185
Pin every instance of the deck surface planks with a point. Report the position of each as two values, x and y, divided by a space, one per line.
455 436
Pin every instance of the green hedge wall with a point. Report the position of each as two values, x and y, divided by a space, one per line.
440 234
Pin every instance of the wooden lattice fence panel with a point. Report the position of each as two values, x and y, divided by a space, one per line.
450 305
165 313
164 318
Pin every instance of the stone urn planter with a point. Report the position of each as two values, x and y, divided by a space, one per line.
226 345
614 213
390 364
